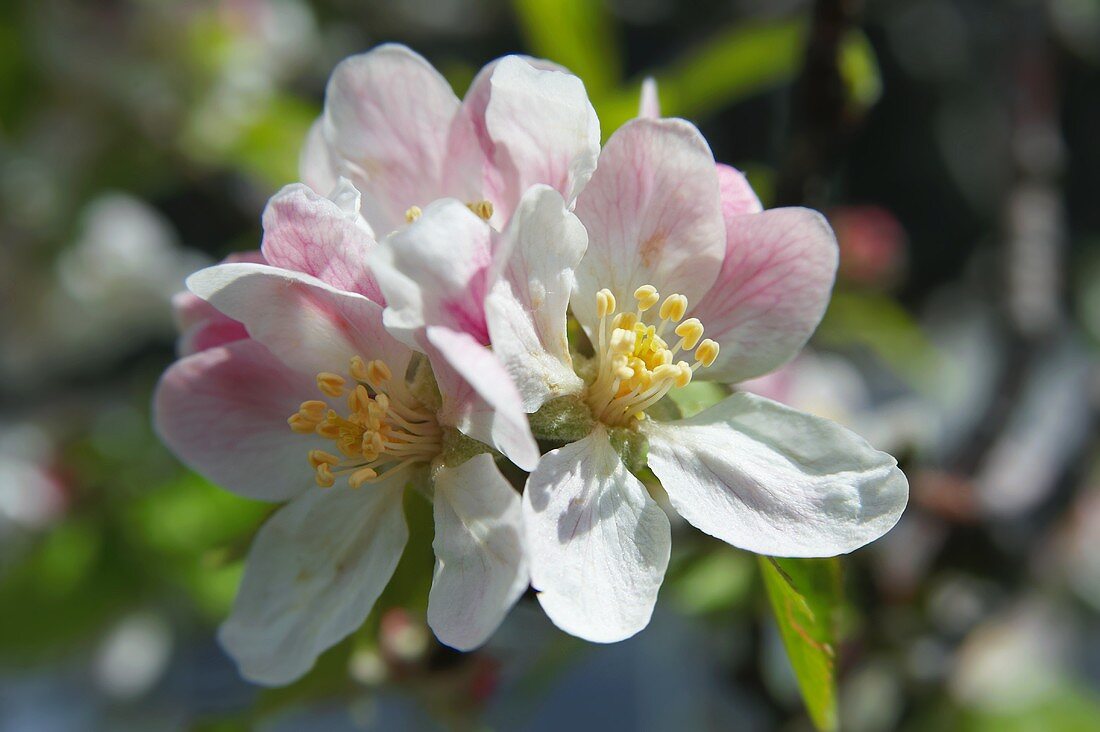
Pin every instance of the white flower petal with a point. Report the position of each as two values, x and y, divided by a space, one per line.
526 307
480 568
308 324
313 574
543 130
772 480
653 216
597 543
388 116
479 398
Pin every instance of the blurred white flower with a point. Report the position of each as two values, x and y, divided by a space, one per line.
133 656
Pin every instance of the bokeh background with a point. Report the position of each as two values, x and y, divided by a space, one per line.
954 146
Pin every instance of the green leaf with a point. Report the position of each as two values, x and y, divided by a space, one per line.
859 70
878 323
577 34
805 596
729 67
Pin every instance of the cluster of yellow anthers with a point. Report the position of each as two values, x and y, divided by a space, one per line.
635 366
483 209
385 429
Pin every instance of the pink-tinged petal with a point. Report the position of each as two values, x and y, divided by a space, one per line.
313 574
215 332
771 480
471 173
771 292
435 273
542 129
480 568
526 308
308 233
317 165
479 398
649 103
223 412
388 119
597 543
738 197
653 216
305 322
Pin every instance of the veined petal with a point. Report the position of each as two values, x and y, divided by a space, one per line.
480 568
223 412
766 478
389 113
479 398
308 324
543 130
309 233
313 574
653 216
597 543
525 309
435 273
738 197
771 292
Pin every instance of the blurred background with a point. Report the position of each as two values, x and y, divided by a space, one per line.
953 145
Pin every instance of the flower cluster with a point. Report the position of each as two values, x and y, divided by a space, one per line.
406 325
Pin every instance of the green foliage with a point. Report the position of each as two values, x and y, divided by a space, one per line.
805 595
877 322
577 34
716 582
859 70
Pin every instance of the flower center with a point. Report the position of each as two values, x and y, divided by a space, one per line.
483 209
635 366
386 429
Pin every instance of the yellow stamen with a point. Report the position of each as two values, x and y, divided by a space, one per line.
385 428
412 214
330 384
707 352
647 296
635 365
483 209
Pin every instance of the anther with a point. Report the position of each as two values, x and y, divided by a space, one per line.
313 410
483 209
320 457
361 476
324 476
412 214
330 384
605 303
301 425
378 371
358 369
691 330
647 296
673 308
707 352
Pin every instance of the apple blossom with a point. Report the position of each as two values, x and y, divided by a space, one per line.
393 127
316 403
672 248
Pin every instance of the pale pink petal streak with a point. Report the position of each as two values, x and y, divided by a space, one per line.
223 412
653 216
388 119
308 233
771 292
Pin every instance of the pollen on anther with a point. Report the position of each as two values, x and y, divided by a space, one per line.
324 476
483 209
707 352
691 330
412 213
605 303
331 384
647 296
673 308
